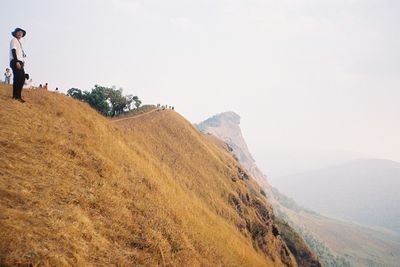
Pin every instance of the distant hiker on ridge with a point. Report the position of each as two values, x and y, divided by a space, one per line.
7 76
17 62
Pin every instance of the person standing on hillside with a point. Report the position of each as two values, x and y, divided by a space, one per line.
17 62
7 76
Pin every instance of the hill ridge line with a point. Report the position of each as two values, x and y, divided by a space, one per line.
136 116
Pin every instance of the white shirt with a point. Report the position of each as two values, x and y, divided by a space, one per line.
15 44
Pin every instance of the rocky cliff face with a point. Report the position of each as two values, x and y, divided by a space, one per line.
225 126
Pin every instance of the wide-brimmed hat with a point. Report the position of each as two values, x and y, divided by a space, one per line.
17 30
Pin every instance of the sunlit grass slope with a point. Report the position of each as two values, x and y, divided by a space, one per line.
78 189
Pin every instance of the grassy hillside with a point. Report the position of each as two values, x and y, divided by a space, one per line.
78 189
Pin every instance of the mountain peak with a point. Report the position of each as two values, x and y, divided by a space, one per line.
226 126
221 119
229 116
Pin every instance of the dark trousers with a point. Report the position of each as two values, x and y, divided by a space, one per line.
19 79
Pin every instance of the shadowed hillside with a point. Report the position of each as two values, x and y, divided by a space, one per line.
78 189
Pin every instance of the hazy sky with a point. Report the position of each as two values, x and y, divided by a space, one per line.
305 76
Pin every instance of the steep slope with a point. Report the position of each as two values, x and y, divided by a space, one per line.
359 245
364 191
225 127
78 189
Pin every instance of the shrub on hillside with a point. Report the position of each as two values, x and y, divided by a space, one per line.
108 101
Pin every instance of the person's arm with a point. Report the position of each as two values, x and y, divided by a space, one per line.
14 54
17 62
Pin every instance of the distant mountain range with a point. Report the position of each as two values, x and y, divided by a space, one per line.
336 242
364 191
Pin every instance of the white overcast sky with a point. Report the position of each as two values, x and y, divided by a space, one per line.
305 76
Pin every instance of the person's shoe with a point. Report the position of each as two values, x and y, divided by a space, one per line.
21 100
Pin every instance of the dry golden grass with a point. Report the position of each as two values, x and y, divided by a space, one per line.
78 189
